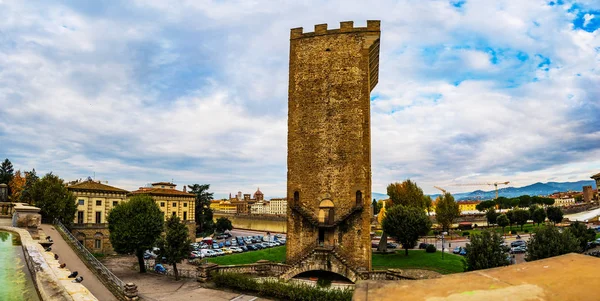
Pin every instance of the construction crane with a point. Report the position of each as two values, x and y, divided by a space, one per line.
442 189
495 184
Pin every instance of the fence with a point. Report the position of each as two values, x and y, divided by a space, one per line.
6 209
96 265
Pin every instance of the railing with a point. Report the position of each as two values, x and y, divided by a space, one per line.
305 253
99 267
6 208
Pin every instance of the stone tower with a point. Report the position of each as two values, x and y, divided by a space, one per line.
332 73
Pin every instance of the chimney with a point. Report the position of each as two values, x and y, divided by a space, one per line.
184 188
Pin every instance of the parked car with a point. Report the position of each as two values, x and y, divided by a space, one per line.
518 249
457 250
278 236
392 245
518 243
282 242
374 244
219 252
221 245
215 245
423 245
463 252
244 248
228 243
208 253
227 250
252 248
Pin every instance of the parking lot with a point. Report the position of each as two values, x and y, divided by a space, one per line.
235 241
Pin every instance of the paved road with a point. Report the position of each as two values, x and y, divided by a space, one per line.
68 256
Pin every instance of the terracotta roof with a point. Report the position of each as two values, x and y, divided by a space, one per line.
164 183
95 186
162 191
596 176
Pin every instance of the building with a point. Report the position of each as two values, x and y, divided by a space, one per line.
332 73
223 206
562 199
596 178
467 207
261 207
172 202
588 193
94 202
278 206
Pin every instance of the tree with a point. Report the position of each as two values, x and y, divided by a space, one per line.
524 201
504 203
502 221
406 193
27 194
428 203
446 211
16 186
135 226
582 234
376 207
204 215
485 205
511 218
549 242
6 173
554 214
485 251
521 216
54 200
175 243
548 201
406 224
223 224
491 215
538 216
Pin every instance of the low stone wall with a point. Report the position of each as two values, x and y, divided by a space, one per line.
51 281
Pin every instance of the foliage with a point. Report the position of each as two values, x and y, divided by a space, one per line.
539 215
135 226
554 214
446 210
376 207
524 201
491 215
485 251
502 221
418 259
485 205
428 203
27 194
324 282
466 233
16 185
430 248
406 224
174 245
279 289
581 232
223 224
548 241
204 215
511 218
6 172
276 254
513 232
54 200
521 216
406 193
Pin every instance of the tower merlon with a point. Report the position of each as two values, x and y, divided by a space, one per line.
345 27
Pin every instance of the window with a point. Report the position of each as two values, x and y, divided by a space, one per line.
185 216
98 203
174 213
174 204
358 198
296 197
162 204
81 202
115 203
184 204
80 217
98 217
97 244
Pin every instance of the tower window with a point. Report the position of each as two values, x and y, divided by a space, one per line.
296 197
358 198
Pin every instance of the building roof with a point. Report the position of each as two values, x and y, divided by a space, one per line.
91 185
596 176
162 192
258 192
163 183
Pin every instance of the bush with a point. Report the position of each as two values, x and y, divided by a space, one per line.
430 249
466 233
324 282
513 232
526 230
436 232
280 289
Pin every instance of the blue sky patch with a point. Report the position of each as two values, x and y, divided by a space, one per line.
587 20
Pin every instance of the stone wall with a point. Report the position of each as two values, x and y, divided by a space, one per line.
331 74
89 233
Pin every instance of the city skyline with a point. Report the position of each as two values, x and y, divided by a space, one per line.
153 92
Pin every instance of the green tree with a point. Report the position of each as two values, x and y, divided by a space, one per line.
407 193
485 251
223 224
548 201
428 203
549 242
446 211
6 173
524 201
406 224
54 200
539 215
204 215
491 215
135 226
554 214
511 218
175 243
28 190
502 221
376 207
582 234
504 203
485 205
521 216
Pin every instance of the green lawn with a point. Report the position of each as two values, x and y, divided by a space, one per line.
419 259
276 254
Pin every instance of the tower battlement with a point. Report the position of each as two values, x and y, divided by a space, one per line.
345 27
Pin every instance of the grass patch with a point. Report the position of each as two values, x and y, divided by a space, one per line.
99 255
419 259
276 254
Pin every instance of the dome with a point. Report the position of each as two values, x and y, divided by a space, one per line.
258 192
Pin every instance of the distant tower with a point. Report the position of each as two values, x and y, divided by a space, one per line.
332 73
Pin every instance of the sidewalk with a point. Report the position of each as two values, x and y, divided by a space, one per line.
68 256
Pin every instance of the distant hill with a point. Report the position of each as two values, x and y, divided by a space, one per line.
379 196
533 189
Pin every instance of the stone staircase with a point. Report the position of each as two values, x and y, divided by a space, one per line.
313 220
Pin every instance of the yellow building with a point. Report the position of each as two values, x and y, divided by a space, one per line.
223 206
172 202
468 205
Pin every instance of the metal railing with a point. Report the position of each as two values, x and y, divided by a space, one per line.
103 271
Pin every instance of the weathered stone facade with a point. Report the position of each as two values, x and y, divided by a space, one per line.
332 73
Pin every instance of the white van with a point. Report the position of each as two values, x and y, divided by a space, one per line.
208 253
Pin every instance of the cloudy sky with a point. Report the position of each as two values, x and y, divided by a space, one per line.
196 91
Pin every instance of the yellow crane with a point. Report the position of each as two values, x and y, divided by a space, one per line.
495 184
442 189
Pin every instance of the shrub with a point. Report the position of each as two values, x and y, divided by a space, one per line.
513 232
324 282
466 233
280 289
430 249
436 232
526 230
